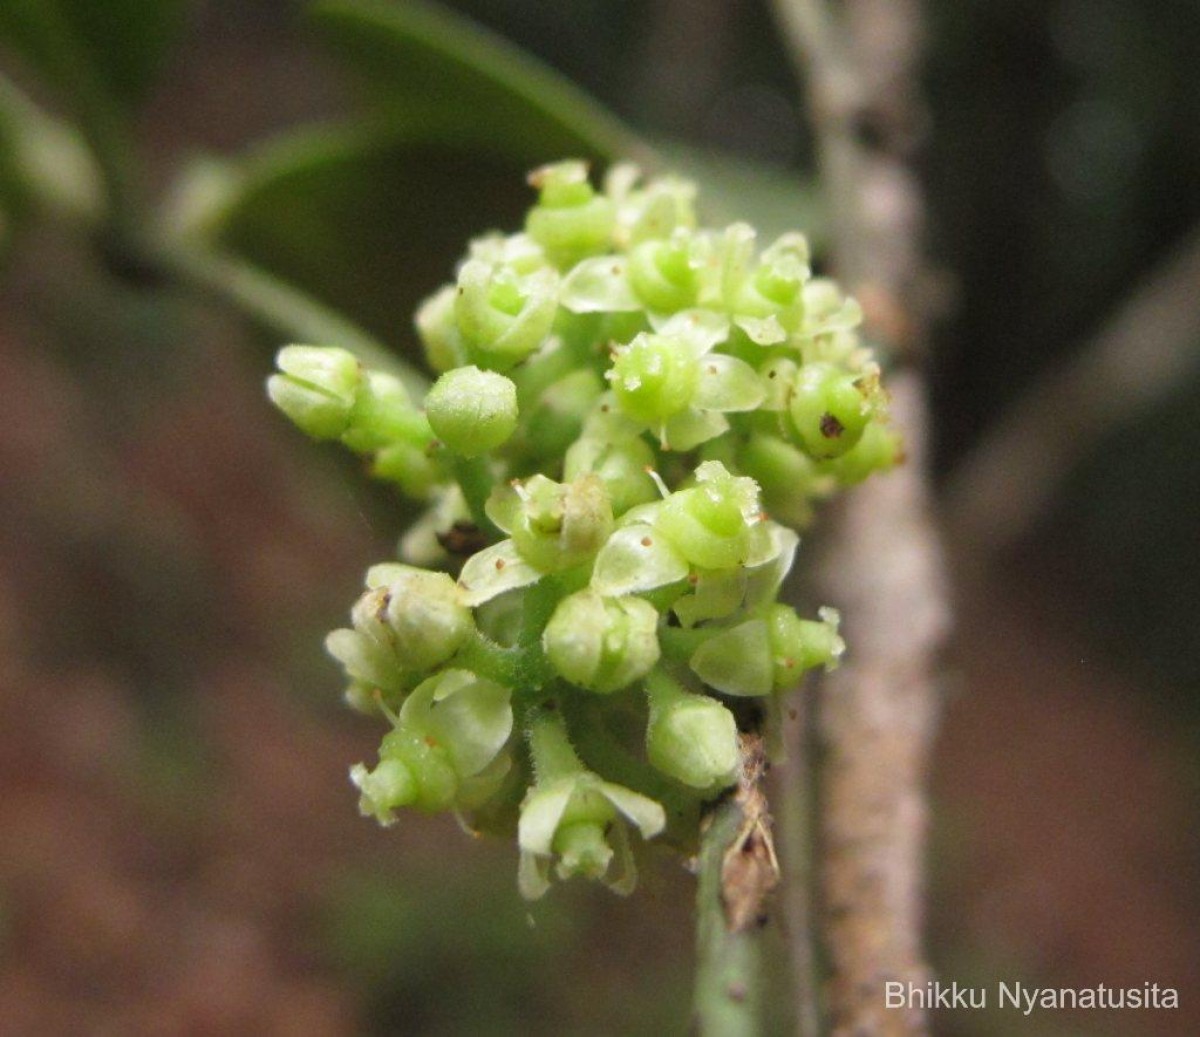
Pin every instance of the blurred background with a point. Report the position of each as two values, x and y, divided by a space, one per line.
180 852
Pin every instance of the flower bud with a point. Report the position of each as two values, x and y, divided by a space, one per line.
693 738
504 316
316 388
653 378
416 614
788 477
472 411
665 275
602 644
709 524
830 407
570 221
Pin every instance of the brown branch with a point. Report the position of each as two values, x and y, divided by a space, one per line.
1146 349
883 567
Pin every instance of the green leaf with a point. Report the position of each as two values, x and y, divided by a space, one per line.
121 43
364 220
444 78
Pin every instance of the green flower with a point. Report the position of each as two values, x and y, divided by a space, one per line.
472 411
443 750
830 407
569 221
575 816
504 315
602 644
691 737
672 383
316 388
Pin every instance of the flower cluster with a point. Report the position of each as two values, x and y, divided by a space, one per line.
623 400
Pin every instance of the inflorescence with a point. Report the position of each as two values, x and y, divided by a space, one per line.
624 398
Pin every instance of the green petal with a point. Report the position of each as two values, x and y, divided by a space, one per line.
540 815
533 876
690 428
768 574
762 331
738 661
697 330
642 811
636 558
599 285
493 571
728 384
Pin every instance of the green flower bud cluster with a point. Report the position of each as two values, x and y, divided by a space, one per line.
630 415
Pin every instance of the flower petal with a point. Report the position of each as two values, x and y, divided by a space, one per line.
599 285
644 812
533 876
690 428
696 330
636 559
738 661
540 816
493 571
728 384
762 331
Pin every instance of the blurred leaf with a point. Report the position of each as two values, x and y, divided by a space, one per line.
444 78
122 42
366 222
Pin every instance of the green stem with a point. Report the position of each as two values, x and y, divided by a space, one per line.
474 478
729 987
550 747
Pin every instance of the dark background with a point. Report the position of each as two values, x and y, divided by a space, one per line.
180 849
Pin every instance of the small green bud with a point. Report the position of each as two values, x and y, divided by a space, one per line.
788 477
654 378
802 644
830 408
665 275
602 644
773 288
570 221
710 523
413 612
316 388
650 212
472 411
693 738
504 316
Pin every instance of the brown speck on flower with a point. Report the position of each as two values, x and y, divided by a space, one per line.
831 428
499 563
647 542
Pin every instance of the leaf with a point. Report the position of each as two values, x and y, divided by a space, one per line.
363 219
447 79
120 44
